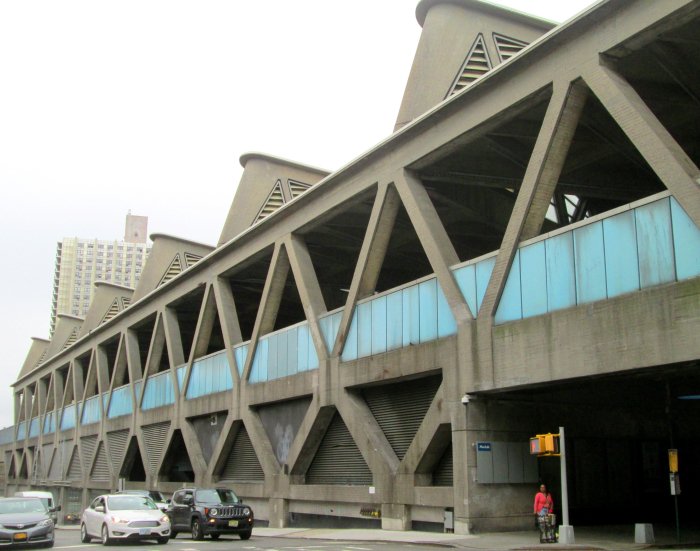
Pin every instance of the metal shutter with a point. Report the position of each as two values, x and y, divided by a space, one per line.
100 470
154 437
399 409
117 447
443 473
242 463
74 469
87 444
338 459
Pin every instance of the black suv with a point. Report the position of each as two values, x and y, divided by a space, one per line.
212 511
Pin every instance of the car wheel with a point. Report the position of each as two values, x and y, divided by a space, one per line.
162 540
215 536
197 530
173 534
106 540
246 535
84 536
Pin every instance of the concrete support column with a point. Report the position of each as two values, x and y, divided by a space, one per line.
279 512
396 516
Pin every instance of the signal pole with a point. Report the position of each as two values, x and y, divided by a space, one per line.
566 532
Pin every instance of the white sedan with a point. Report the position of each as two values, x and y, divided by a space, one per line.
124 517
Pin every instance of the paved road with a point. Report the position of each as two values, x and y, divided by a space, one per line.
70 539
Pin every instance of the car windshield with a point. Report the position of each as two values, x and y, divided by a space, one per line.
30 505
216 496
156 496
130 503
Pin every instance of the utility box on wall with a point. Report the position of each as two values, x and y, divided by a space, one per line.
505 463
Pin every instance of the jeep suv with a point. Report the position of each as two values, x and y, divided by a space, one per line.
209 511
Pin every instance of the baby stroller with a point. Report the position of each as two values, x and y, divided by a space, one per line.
548 528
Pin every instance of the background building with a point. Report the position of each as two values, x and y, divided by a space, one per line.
82 262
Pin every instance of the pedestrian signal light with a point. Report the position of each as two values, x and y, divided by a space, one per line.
537 445
544 444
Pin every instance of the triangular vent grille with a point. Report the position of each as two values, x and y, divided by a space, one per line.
71 340
42 358
155 435
125 302
113 311
297 188
191 259
100 469
174 269
242 463
74 470
476 65
274 201
88 444
338 459
117 441
507 47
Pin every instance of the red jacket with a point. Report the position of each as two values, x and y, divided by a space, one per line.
542 500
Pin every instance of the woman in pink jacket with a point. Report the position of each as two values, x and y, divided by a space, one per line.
543 502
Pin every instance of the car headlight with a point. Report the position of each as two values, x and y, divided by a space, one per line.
246 512
46 522
118 520
165 519
213 512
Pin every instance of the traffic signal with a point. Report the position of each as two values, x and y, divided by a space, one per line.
544 444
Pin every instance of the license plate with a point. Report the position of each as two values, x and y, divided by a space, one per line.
20 536
233 523
144 531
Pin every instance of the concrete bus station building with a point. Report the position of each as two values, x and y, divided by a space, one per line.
376 346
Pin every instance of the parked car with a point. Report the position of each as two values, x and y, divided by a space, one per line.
124 517
209 511
25 521
158 498
47 499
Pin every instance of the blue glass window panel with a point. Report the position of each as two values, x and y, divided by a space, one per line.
263 350
350 347
394 320
34 427
378 325
411 315
240 353
428 310
329 328
510 306
281 360
364 326
686 242
303 347
105 400
589 254
621 262
293 351
49 423
159 390
68 418
180 371
21 431
272 368
466 280
313 356
561 275
254 374
446 324
533 279
121 401
655 243
91 411
484 269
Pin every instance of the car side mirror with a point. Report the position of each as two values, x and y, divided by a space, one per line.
100 508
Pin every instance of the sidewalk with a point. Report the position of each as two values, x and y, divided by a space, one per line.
600 538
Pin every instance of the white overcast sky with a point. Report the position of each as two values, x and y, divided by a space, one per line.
147 105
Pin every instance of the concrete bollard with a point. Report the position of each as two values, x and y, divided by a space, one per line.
643 533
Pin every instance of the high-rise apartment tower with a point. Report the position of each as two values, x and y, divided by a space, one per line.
81 262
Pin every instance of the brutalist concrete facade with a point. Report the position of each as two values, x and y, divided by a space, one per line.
276 362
